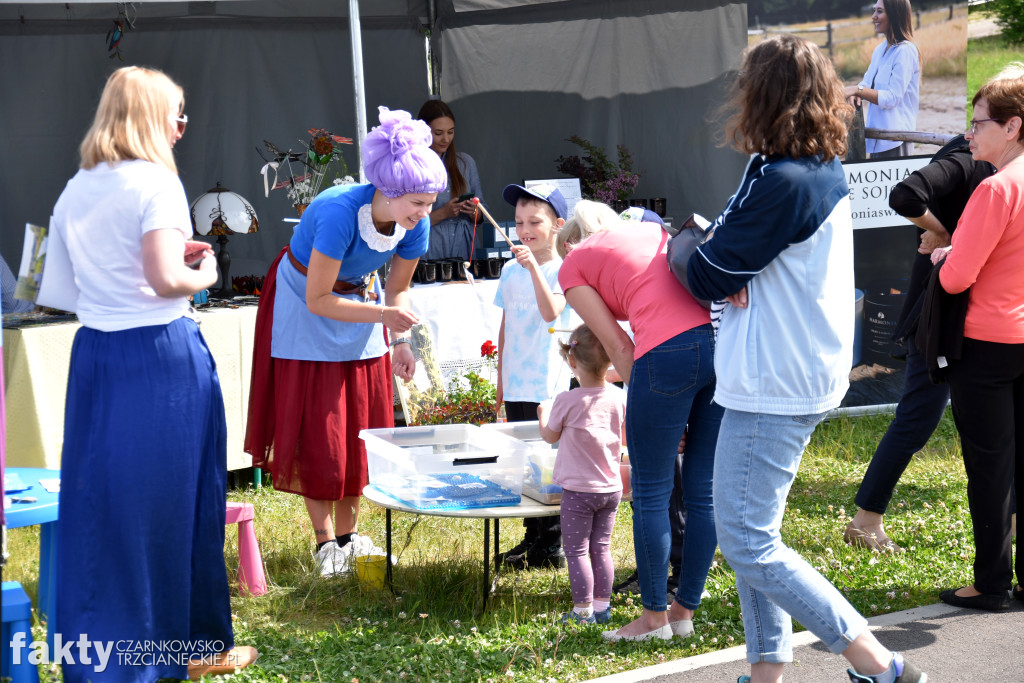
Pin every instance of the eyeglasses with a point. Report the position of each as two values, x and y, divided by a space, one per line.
181 122
972 126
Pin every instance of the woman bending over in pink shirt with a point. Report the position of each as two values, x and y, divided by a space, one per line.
588 423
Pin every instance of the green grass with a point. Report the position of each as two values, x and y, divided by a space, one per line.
985 58
432 629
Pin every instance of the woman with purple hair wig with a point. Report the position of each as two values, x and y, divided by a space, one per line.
321 362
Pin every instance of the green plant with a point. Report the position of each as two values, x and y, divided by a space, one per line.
1010 17
431 628
470 398
600 178
985 58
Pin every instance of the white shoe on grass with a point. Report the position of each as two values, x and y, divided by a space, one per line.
333 560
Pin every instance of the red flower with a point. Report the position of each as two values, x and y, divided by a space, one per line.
488 349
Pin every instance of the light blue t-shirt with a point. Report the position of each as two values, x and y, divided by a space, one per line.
330 224
531 368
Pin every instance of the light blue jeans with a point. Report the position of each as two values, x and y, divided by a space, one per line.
672 386
755 464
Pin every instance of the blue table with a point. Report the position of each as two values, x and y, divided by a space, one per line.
44 513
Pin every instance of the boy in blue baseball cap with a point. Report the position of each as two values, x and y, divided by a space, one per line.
529 366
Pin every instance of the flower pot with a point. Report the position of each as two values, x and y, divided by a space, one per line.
494 267
429 272
446 271
479 268
299 208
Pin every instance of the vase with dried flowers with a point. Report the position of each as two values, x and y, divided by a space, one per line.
306 170
601 179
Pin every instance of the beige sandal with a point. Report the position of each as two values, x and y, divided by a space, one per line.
858 538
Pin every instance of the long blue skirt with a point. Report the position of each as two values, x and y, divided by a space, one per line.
142 503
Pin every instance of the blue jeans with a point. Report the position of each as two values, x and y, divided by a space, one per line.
756 462
672 386
917 415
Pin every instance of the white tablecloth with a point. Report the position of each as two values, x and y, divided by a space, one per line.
460 318
36 361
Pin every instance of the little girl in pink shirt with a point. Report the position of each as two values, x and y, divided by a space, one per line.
588 423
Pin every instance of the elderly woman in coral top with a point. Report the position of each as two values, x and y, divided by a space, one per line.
986 384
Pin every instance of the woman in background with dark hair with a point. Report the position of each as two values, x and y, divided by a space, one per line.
782 255
892 80
451 220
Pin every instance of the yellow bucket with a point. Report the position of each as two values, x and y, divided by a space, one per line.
371 571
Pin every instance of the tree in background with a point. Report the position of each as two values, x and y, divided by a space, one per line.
1010 17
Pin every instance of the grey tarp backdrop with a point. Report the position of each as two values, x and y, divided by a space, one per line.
252 71
521 76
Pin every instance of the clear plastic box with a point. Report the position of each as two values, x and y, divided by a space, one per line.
446 467
540 464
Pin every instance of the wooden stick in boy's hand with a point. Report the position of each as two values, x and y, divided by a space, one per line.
487 215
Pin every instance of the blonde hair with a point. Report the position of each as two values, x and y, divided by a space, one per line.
588 218
133 118
586 348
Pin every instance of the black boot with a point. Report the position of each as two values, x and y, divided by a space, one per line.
546 555
517 555
547 551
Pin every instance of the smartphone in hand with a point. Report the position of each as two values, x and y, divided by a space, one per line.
466 197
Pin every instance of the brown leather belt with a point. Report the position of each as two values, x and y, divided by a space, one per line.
340 286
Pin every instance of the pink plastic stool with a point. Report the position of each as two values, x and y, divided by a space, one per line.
251 580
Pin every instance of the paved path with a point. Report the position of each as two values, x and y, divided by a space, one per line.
980 28
949 643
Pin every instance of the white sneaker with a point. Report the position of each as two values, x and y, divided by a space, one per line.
682 628
663 633
333 560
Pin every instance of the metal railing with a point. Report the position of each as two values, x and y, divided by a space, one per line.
858 132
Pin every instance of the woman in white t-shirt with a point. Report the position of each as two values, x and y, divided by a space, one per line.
143 469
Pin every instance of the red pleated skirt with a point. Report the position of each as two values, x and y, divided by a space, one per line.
305 416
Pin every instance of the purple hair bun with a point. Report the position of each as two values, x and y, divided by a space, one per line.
397 157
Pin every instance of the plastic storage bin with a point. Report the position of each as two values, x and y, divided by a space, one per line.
446 467
540 464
